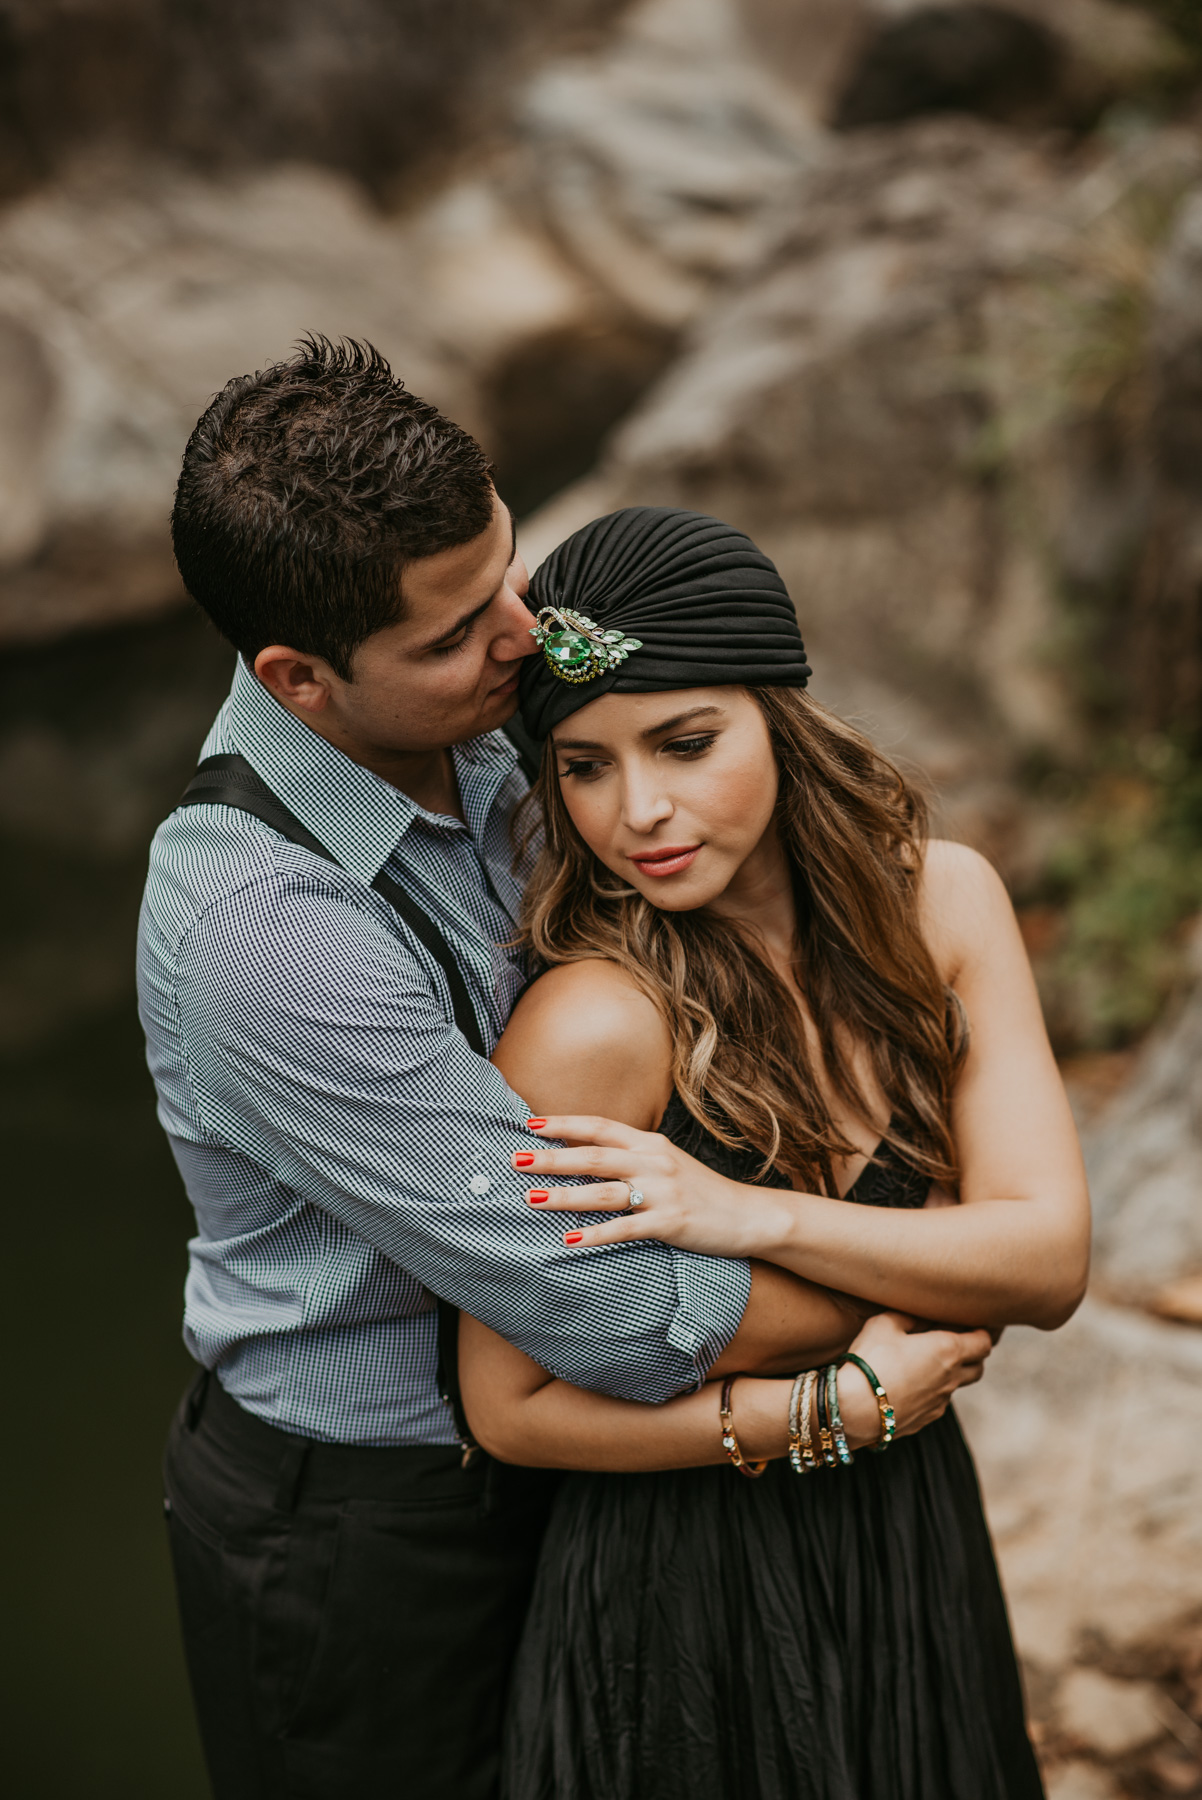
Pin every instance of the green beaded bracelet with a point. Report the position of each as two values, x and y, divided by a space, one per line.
826 1439
842 1447
888 1416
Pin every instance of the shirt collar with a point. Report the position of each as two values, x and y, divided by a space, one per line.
359 817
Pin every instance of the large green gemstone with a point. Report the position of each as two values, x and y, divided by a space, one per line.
568 648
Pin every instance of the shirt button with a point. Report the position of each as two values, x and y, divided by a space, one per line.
479 1184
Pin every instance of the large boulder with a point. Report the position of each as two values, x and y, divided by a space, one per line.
133 304
1028 63
945 404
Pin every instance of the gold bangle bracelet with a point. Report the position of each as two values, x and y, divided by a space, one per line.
801 1449
730 1442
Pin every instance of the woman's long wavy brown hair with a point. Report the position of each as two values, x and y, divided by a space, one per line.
855 833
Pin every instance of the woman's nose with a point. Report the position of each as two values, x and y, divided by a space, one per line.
644 803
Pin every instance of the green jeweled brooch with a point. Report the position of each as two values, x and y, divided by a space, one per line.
575 648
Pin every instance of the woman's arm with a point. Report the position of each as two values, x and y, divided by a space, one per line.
1015 1251
520 1414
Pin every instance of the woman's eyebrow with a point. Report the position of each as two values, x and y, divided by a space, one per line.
652 731
694 712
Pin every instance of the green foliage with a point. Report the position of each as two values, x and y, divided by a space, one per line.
1118 894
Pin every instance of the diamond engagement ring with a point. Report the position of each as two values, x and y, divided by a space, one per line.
635 1200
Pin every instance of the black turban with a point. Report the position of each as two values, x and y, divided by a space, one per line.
706 606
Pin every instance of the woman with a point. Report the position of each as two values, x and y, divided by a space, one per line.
750 945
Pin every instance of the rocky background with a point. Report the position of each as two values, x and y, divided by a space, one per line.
913 293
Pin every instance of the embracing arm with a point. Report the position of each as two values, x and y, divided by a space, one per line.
520 1414
1014 1251
584 1035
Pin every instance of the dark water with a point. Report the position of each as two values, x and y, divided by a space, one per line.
96 739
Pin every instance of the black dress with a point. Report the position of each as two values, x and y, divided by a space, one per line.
835 1636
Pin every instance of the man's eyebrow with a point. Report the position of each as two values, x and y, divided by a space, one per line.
652 731
451 630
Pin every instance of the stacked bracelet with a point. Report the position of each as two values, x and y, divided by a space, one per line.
842 1448
888 1416
730 1442
826 1438
801 1450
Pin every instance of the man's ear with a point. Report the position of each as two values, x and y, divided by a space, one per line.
303 684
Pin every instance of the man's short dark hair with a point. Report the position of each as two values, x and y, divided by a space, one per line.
305 491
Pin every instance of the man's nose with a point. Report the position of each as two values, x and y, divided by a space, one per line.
517 622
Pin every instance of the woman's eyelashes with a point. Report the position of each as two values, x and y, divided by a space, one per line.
692 746
589 768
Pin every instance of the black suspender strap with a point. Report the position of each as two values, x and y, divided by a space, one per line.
229 780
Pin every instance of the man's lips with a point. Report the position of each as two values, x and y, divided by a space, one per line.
668 859
506 687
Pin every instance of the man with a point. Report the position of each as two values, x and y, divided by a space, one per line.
350 1584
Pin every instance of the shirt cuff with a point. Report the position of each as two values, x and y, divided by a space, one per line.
713 1292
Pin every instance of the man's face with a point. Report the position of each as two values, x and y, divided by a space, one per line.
449 670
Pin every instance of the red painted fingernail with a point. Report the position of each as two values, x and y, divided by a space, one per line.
573 1237
538 1196
535 1124
523 1159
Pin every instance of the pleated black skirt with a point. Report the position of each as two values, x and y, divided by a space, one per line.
835 1636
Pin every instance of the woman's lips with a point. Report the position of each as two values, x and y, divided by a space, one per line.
671 859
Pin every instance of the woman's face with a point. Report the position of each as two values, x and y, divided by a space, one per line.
675 793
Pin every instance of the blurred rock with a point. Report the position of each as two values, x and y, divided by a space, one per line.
666 164
140 300
390 94
1087 1440
1024 62
1145 1164
1110 1716
1080 1781
27 398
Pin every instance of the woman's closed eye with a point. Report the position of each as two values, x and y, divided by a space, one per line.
583 768
589 768
691 746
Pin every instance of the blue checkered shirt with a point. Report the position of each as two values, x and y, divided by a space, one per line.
346 1154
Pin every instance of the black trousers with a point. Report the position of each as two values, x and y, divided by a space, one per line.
349 1615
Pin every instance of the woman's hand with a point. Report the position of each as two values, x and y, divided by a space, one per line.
919 1370
684 1203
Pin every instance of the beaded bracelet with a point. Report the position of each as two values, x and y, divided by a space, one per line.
888 1416
801 1448
842 1447
795 1424
825 1437
730 1442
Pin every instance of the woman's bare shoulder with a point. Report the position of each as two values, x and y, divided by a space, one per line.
964 905
584 1038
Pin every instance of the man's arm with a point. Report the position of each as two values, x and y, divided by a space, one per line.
340 1070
